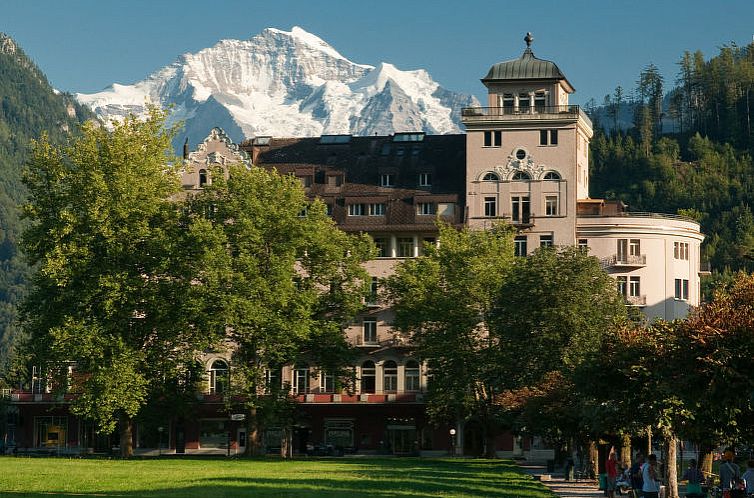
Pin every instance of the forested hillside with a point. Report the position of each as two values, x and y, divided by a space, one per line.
704 167
28 107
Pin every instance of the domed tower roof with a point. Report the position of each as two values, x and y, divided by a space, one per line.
526 67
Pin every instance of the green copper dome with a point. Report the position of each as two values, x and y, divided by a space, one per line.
526 67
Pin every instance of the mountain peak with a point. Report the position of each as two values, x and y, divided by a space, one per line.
285 83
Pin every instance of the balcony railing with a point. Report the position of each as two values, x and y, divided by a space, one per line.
481 114
636 300
623 261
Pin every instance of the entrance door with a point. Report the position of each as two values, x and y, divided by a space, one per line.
402 439
180 439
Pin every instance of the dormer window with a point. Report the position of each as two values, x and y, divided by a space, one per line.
425 179
387 180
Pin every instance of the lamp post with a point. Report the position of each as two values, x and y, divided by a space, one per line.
452 442
159 430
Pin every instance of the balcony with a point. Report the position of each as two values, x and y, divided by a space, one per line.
705 268
481 115
636 300
396 340
624 262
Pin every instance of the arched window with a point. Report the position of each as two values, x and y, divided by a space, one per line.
390 376
520 176
202 177
490 177
218 377
412 376
367 376
551 175
301 379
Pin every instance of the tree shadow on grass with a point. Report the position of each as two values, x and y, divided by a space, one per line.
370 478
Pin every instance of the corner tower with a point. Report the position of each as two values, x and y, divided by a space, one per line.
527 152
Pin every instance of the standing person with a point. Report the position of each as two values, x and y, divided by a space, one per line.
634 474
730 474
612 472
694 477
749 477
651 486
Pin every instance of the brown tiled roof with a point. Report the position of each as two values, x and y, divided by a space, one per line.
361 161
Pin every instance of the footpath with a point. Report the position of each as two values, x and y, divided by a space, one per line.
583 488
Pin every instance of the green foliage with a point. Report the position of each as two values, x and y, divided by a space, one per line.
444 300
280 279
28 107
112 291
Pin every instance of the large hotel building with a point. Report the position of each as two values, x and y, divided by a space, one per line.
523 160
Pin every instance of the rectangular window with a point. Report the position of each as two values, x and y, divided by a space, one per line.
356 209
412 378
524 103
519 245
622 285
329 209
520 209
387 180
507 103
682 289
490 207
370 331
382 247
493 138
551 205
634 247
681 250
545 241
583 245
301 380
634 287
326 382
405 247
425 208
376 209
425 179
622 250
548 137
374 289
539 101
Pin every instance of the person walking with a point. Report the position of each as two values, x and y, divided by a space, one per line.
730 475
634 474
650 485
694 477
749 477
612 472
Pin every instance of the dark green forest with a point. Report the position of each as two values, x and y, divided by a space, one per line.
29 106
703 167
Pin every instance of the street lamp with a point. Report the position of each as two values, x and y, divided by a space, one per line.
452 442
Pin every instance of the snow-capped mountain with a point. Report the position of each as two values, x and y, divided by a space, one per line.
287 84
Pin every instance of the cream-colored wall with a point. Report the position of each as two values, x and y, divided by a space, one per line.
658 275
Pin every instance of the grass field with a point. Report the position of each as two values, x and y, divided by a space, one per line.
215 478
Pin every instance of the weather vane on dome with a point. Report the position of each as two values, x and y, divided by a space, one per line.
528 39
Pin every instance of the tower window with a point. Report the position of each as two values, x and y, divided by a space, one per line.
493 138
548 137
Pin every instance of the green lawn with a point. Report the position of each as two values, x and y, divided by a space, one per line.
214 478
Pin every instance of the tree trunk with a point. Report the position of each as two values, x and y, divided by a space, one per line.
594 458
626 450
489 444
126 436
252 433
286 450
671 443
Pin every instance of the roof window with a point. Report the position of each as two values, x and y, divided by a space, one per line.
334 139
409 137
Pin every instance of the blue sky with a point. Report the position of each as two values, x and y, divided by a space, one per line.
85 45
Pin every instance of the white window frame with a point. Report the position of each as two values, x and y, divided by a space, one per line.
356 209
426 208
387 180
490 207
425 179
369 331
551 205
